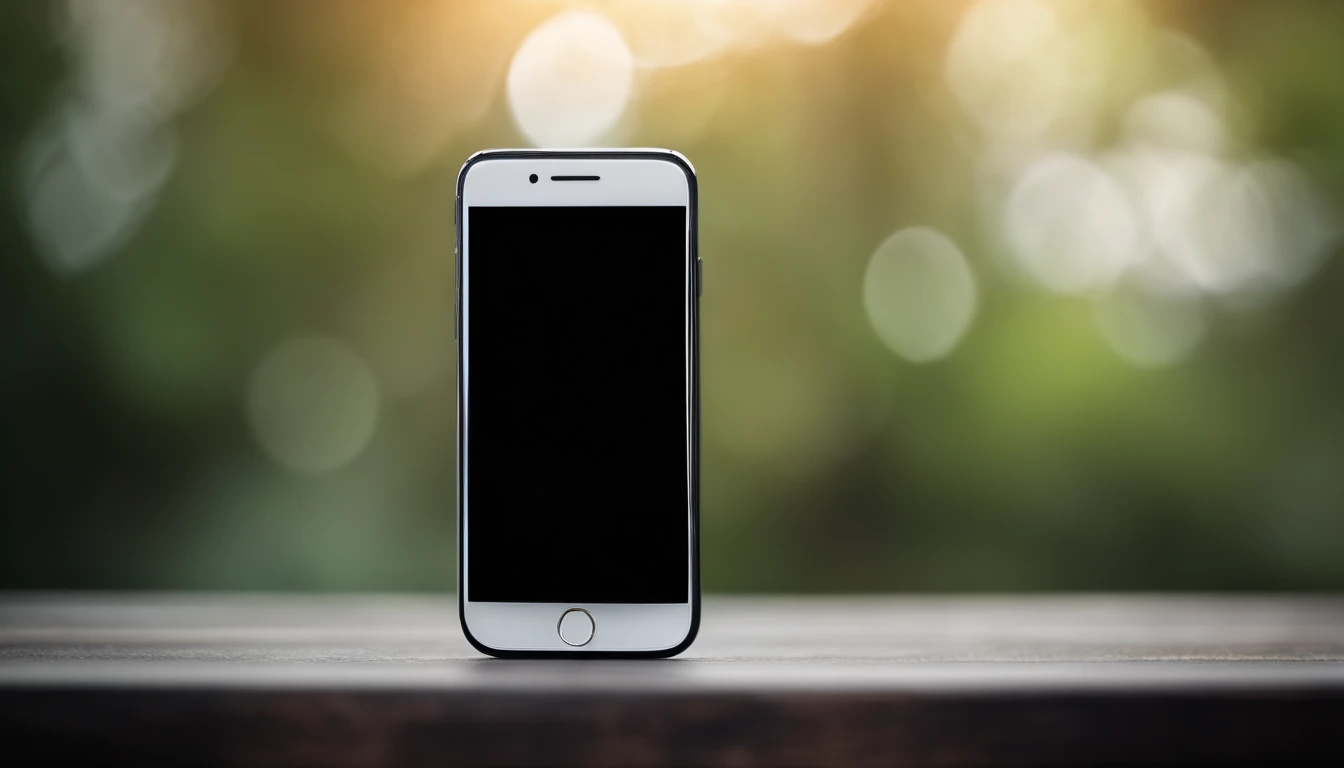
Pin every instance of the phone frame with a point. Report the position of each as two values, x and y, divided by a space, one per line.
646 626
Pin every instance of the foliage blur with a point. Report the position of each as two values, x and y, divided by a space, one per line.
1000 295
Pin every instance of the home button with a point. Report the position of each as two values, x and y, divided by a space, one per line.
576 627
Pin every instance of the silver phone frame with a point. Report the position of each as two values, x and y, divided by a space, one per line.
628 177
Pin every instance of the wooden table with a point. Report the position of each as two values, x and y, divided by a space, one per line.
840 681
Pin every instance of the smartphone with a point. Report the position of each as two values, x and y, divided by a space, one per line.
578 403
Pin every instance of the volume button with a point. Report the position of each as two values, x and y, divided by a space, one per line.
699 275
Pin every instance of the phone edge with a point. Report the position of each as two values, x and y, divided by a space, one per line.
665 155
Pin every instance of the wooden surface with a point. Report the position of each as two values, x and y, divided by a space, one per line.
373 680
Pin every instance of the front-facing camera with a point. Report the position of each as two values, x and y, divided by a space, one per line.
532 178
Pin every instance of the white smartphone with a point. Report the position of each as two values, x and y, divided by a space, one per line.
577 312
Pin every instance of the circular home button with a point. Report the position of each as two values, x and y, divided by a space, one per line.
576 627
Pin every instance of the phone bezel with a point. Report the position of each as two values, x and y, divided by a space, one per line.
626 177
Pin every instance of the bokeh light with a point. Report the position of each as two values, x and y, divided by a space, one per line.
1071 224
1015 70
570 81
312 404
1118 330
93 170
920 294
1177 63
152 58
1301 226
1227 227
818 21
1176 121
78 214
1148 329
672 33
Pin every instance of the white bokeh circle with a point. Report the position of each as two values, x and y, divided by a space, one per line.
1071 224
571 80
1151 330
920 294
312 404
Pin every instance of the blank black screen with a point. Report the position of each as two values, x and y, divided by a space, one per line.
576 423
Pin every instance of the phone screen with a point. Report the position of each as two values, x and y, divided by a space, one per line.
575 383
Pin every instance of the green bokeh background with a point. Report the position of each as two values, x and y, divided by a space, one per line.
1031 458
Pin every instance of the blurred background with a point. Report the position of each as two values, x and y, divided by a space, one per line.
1000 295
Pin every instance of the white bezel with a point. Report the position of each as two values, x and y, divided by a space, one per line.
637 180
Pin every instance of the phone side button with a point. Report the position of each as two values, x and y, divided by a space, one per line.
576 627
454 321
699 275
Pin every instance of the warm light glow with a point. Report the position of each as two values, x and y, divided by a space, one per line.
670 33
818 21
570 81
433 72
1013 69
920 294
